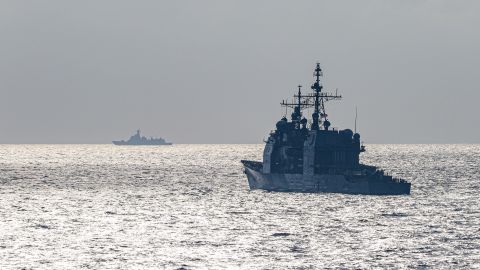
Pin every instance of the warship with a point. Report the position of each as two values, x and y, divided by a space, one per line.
137 139
310 156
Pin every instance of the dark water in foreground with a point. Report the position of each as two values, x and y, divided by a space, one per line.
110 207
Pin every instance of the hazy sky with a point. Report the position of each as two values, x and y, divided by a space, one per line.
215 71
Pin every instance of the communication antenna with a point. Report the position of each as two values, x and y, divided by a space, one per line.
356 114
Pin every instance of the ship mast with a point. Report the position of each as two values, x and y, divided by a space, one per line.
317 88
316 100
297 105
297 111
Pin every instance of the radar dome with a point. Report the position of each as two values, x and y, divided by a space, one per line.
326 124
348 133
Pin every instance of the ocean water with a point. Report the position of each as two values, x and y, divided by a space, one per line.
189 206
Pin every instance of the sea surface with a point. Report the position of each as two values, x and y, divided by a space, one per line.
189 207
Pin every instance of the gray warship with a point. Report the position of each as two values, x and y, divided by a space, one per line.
303 157
137 139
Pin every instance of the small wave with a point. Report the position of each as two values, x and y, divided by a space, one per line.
280 234
238 212
394 214
42 226
297 249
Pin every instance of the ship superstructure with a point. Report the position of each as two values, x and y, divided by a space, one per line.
317 158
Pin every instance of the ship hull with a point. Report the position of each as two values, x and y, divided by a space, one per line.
323 183
127 143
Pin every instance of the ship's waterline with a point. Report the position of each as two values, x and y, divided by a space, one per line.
335 183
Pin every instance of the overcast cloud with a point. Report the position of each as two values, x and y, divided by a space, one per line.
215 71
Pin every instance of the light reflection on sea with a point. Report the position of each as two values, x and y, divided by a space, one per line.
110 207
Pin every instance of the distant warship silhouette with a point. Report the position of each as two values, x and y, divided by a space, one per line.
317 159
141 140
